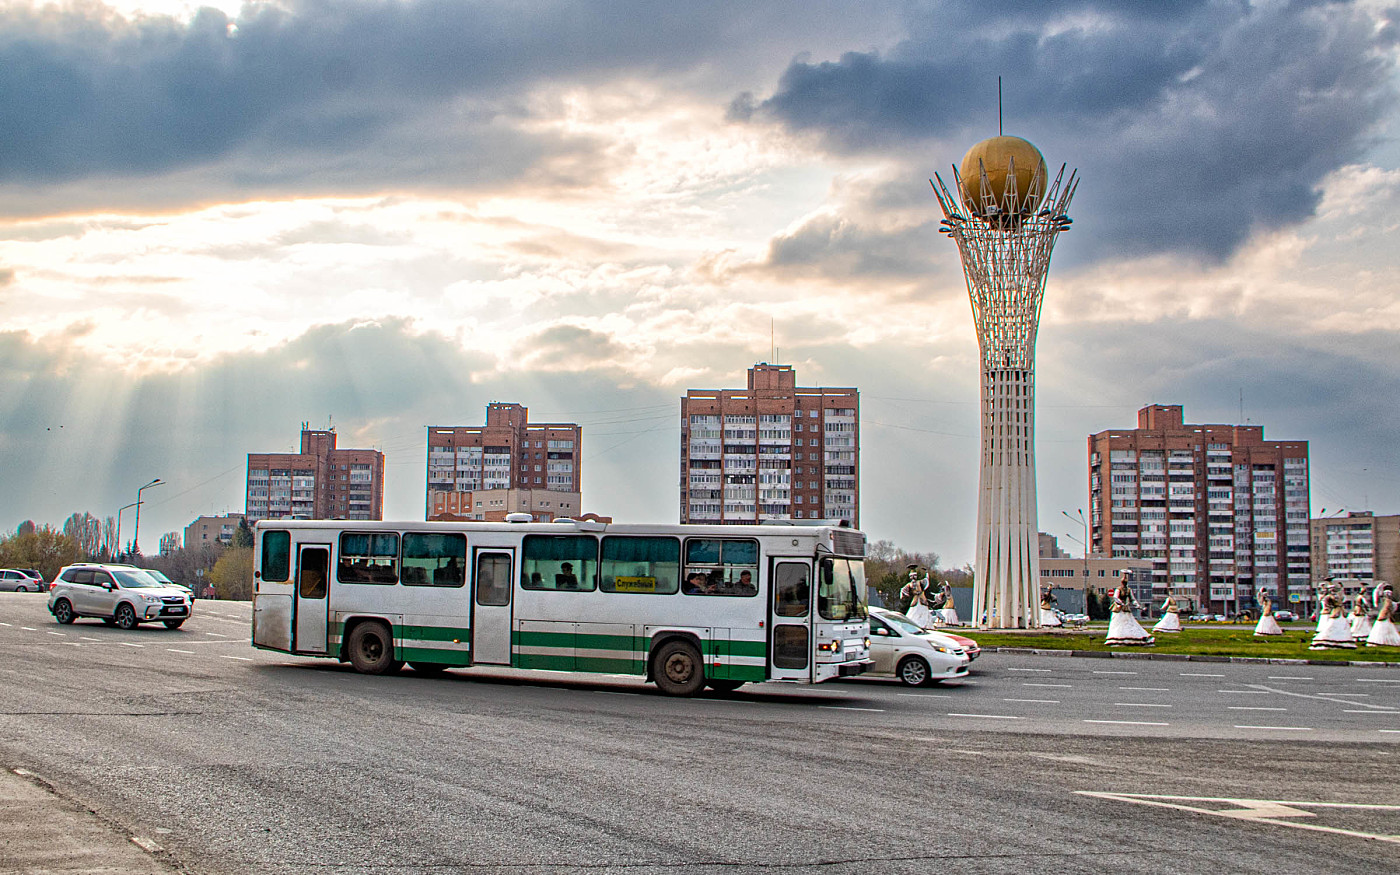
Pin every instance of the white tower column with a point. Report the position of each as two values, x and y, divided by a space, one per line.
1005 239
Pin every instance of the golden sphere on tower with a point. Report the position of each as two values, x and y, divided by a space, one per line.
1007 161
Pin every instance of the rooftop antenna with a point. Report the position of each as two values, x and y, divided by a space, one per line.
1000 132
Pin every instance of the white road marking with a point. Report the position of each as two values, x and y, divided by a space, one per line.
1029 669
1140 705
926 695
1377 681
243 658
1388 730
215 635
81 638
1321 697
1059 686
846 708
1249 708
1196 674
29 628
1245 692
4 624
1285 728
129 644
1370 711
1129 722
1288 677
1035 701
59 634
1145 689
1115 672
986 716
173 650
1257 810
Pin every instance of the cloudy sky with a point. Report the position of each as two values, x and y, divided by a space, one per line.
219 223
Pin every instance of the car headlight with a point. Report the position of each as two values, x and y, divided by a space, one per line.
151 599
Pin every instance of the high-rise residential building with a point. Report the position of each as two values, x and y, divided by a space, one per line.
480 472
772 451
1220 512
1359 547
319 483
208 530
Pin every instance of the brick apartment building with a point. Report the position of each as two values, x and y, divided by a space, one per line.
321 482
771 451
508 465
1220 512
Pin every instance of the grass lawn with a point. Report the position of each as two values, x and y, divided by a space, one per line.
1206 640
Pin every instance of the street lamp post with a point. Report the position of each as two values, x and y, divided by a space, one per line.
119 526
1083 521
136 538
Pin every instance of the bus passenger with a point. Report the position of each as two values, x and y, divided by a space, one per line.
566 579
745 585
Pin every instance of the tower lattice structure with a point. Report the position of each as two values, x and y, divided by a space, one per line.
1005 238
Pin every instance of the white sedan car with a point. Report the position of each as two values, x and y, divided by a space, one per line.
900 649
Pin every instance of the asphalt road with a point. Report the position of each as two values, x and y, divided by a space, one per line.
240 761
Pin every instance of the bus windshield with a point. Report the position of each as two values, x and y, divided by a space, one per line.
841 593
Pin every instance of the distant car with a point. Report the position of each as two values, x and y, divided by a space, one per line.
161 578
1198 618
117 594
1219 618
1285 616
902 650
20 580
969 647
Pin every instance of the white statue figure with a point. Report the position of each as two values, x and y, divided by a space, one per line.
1267 624
1124 628
1360 622
1048 617
1171 617
916 590
1383 632
1336 631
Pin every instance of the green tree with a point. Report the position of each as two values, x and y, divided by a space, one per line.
243 536
232 575
45 549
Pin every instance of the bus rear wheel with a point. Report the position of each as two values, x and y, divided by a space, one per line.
678 669
371 649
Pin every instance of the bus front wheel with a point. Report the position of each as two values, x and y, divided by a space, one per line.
371 649
678 669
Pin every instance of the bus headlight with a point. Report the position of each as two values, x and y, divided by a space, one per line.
867 643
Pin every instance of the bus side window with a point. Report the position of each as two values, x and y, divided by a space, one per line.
436 559
567 563
277 556
368 557
721 566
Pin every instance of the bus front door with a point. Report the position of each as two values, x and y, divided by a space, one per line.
312 604
790 620
492 582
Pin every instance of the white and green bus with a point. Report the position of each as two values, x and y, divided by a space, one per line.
685 606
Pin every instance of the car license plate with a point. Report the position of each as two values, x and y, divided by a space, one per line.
175 611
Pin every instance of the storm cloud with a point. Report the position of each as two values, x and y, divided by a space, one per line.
1192 125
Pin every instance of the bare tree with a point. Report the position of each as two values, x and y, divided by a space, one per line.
86 531
109 537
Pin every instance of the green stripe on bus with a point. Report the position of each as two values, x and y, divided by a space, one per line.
434 633
611 665
446 657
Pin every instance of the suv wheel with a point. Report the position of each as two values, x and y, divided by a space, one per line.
63 612
125 617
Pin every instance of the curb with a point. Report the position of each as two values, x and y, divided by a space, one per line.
1186 657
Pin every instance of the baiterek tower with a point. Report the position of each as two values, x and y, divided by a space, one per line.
1004 213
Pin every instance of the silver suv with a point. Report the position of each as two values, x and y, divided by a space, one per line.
117 594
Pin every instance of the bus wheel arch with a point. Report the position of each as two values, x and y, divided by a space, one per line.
677 665
369 646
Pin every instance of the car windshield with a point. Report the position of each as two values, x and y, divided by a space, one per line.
902 623
135 578
841 591
160 577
